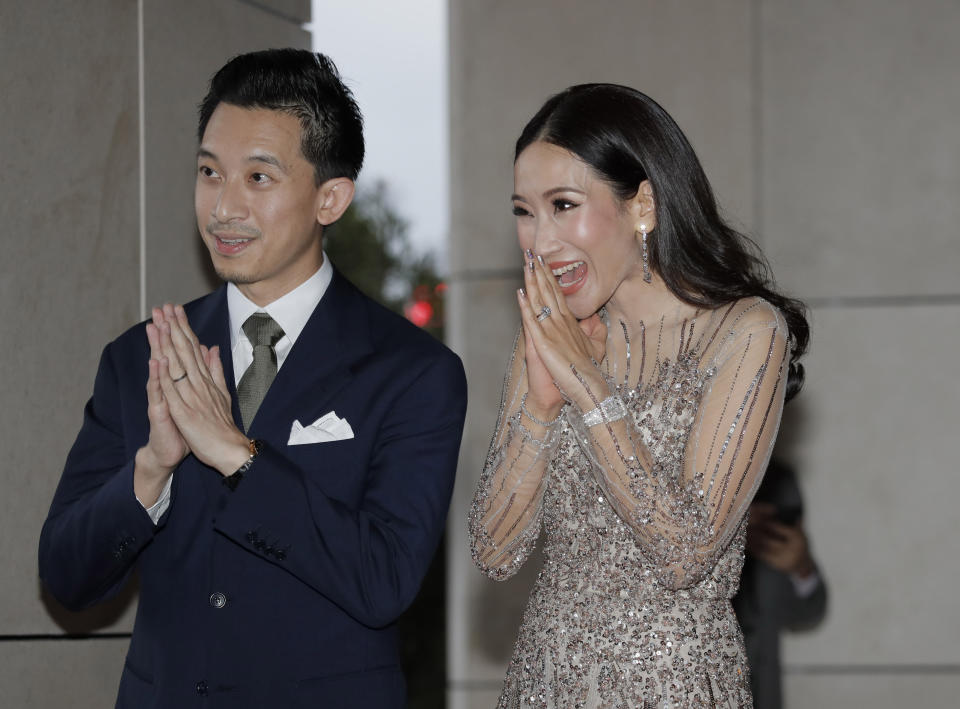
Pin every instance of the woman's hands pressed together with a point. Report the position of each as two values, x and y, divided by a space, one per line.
558 347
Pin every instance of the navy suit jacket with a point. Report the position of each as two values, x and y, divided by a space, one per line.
283 592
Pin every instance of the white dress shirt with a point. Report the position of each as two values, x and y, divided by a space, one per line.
291 312
804 586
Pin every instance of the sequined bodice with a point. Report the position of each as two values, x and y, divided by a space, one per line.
586 543
643 514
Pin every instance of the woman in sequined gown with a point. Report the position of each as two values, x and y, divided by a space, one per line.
638 413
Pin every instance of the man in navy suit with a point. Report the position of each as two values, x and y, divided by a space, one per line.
275 458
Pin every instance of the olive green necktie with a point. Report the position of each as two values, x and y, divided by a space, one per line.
263 333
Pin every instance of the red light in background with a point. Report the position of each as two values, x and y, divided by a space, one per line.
419 313
440 289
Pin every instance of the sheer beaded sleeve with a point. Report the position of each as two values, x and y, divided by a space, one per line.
685 507
506 513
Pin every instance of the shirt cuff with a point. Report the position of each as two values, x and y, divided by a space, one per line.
156 510
804 586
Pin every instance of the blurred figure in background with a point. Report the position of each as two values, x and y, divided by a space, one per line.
781 586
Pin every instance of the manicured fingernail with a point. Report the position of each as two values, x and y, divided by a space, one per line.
540 259
530 263
529 253
522 293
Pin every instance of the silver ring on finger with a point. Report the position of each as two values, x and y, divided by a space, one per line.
180 378
545 313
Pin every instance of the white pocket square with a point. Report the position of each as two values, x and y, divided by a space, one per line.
328 427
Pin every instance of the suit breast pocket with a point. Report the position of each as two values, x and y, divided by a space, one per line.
338 468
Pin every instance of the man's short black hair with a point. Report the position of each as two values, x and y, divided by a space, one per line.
306 85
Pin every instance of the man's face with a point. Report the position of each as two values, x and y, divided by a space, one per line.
257 202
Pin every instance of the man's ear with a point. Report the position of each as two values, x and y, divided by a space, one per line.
643 207
333 199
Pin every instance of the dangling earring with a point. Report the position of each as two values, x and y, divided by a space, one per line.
646 256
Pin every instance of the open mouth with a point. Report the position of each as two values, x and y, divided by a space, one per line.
570 276
231 246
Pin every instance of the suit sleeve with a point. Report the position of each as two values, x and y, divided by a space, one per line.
369 559
96 527
793 610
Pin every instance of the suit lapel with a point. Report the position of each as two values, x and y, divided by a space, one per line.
319 364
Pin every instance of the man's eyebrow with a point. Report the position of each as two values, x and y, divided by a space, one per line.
256 157
268 159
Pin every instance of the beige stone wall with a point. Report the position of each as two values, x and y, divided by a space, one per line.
828 130
84 248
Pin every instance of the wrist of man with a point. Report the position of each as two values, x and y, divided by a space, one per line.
149 477
803 569
146 466
233 479
234 455
805 586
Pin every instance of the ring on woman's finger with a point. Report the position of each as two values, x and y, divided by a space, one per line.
545 313
180 378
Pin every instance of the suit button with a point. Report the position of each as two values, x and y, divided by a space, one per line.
218 600
202 688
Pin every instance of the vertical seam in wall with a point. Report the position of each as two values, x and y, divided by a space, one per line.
757 71
143 168
445 108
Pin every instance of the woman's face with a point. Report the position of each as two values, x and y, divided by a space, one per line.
569 216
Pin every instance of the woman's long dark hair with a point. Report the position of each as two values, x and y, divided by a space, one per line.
627 137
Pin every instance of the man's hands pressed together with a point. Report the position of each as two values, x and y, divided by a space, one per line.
165 447
188 406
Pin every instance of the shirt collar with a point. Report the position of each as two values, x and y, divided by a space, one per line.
290 311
